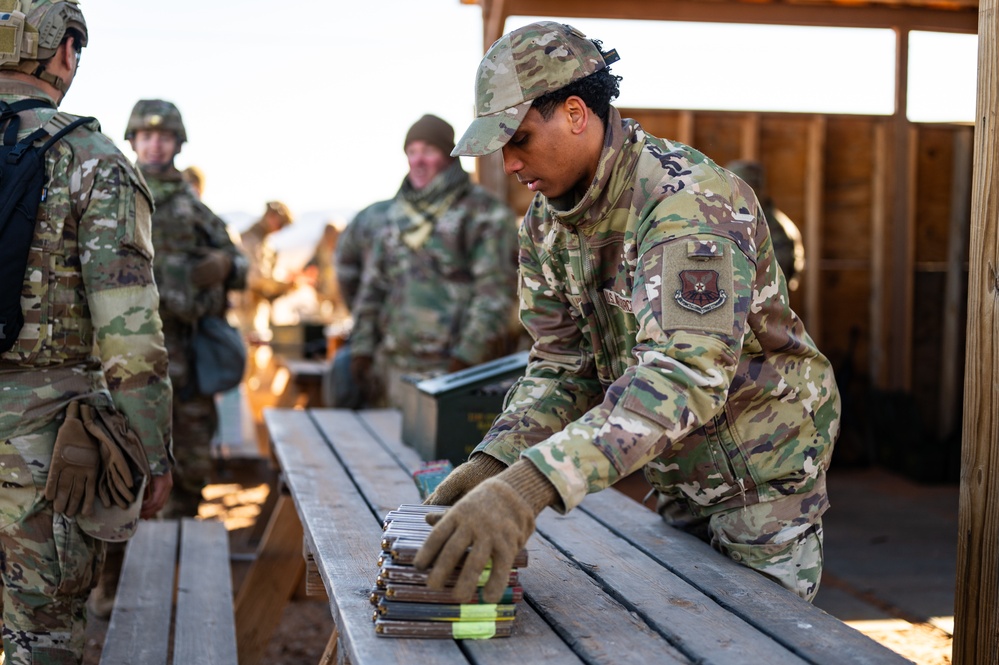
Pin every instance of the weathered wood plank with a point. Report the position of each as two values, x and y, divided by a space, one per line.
139 630
340 524
799 626
699 628
205 630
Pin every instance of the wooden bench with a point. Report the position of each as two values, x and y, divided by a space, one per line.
608 583
179 570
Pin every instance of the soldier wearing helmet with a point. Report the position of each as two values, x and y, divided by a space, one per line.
262 284
92 324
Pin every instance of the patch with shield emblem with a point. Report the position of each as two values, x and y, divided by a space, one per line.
699 291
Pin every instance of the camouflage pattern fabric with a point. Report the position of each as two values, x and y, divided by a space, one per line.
441 280
353 249
664 341
261 285
184 229
91 328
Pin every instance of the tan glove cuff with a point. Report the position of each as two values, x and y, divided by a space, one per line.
531 485
485 466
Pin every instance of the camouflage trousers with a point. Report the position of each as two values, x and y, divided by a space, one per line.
195 420
774 538
47 564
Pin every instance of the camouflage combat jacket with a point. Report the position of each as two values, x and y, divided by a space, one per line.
184 229
354 247
89 298
441 279
664 340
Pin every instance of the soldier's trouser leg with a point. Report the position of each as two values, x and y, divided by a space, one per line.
101 601
48 568
786 549
194 423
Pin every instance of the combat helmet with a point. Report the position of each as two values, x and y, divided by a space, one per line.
155 114
31 31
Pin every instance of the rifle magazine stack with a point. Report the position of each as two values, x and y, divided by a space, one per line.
406 607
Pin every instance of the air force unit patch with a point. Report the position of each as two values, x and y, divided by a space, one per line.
699 291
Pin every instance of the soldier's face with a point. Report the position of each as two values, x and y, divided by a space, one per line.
425 162
155 147
543 154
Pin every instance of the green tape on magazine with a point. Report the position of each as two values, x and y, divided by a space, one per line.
478 612
473 630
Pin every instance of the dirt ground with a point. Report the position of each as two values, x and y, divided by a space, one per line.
305 625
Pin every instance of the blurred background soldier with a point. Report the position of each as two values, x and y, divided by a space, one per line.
788 248
195 177
92 344
196 265
262 285
437 293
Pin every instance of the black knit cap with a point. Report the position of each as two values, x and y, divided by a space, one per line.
432 130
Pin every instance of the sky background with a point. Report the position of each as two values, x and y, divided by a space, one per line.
309 102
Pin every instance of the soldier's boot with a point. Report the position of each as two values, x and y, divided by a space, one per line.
101 600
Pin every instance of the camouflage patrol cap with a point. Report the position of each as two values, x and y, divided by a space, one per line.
517 69
31 30
155 114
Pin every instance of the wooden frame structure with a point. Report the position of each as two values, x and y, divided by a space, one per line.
896 238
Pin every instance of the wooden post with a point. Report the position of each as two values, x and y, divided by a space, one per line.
814 196
954 300
976 626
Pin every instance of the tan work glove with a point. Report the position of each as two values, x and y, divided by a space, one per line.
212 269
122 455
491 524
464 478
73 474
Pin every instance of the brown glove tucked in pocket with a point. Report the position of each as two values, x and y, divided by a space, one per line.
124 462
75 464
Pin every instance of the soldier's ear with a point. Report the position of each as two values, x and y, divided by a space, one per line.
577 114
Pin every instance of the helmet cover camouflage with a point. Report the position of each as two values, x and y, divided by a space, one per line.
155 114
33 29
517 69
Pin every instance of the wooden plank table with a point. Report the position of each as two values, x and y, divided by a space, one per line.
608 583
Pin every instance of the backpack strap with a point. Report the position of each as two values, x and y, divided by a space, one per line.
10 112
56 128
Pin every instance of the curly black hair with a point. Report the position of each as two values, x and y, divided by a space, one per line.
597 90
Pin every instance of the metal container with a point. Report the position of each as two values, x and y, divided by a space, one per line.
445 417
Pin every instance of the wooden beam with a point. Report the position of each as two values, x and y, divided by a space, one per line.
976 626
814 177
749 145
954 299
901 234
878 359
846 16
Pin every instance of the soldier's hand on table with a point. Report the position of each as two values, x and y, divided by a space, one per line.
462 480
72 481
211 269
156 495
490 524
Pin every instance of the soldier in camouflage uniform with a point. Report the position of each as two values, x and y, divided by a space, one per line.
92 339
438 291
261 284
663 339
197 264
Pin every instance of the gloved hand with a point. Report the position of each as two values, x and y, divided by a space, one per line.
492 523
72 477
463 479
122 455
212 269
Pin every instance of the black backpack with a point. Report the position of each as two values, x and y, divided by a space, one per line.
22 188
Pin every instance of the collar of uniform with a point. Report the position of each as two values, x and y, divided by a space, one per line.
22 90
623 141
